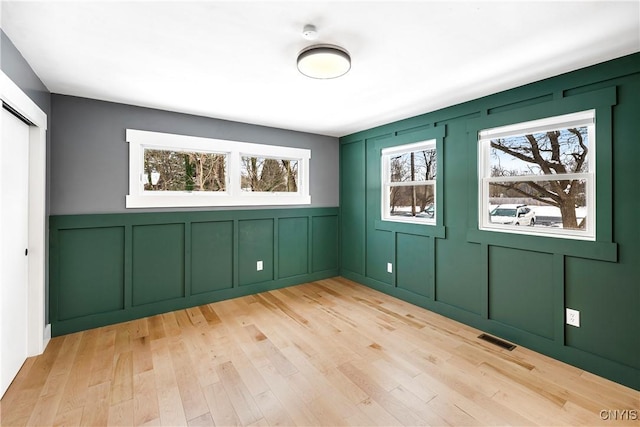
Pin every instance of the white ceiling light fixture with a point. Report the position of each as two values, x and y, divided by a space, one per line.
322 61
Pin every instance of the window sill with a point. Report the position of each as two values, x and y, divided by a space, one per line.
199 200
601 251
424 229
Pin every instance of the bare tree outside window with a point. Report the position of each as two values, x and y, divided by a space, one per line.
412 167
260 174
184 171
554 154
409 182
542 170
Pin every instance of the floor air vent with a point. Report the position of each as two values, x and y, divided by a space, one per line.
497 341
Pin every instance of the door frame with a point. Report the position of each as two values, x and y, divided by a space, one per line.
38 334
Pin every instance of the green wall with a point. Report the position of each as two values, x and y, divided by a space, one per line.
513 286
116 267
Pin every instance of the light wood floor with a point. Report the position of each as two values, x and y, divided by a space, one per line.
324 353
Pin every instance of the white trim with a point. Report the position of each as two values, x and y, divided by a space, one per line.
140 140
582 118
406 148
12 95
411 183
47 334
535 178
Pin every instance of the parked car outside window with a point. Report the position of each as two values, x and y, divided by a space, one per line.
512 214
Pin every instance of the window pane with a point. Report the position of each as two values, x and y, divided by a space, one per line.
412 201
269 175
545 153
558 204
168 170
414 166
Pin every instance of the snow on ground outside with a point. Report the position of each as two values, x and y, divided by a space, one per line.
550 216
547 216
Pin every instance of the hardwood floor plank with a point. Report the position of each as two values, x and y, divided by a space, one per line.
330 352
203 420
171 324
156 327
290 398
323 410
359 418
122 342
102 363
246 369
273 411
220 406
69 418
142 359
453 414
277 358
121 414
420 407
139 328
46 408
239 395
204 357
196 317
193 400
377 393
75 392
169 402
145 398
122 380
41 367
210 314
96 410
377 413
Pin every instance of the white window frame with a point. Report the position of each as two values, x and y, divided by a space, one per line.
385 157
583 118
138 197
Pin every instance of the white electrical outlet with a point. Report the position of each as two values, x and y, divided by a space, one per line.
573 317
389 267
259 266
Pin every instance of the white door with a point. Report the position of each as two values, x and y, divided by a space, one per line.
14 209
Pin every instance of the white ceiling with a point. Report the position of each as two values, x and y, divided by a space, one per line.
236 60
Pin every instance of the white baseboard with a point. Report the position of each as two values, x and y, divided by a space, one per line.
47 336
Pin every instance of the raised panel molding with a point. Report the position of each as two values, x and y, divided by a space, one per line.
293 247
517 297
211 256
90 271
158 263
255 244
325 238
112 268
513 285
414 264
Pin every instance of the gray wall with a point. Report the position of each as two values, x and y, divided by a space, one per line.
90 158
17 69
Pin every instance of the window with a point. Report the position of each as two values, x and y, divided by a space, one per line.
171 170
269 174
538 177
409 183
168 170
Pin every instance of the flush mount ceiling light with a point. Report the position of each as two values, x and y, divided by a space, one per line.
322 61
